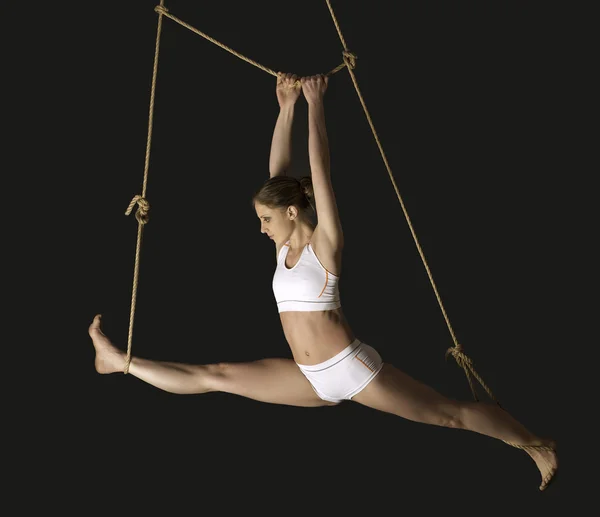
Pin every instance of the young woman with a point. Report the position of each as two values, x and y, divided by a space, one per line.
330 364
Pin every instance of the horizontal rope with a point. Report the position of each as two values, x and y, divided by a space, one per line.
165 12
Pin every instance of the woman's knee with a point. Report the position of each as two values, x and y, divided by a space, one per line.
220 376
452 414
447 414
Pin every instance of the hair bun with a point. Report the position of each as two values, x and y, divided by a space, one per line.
306 185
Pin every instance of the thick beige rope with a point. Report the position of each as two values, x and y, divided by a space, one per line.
142 214
456 352
164 11
461 358
349 61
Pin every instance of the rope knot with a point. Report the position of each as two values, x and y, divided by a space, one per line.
349 59
457 352
161 9
142 213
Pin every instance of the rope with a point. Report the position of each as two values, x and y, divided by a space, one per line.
162 10
349 62
530 447
142 214
463 361
461 358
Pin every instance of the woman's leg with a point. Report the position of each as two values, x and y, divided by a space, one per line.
395 392
276 381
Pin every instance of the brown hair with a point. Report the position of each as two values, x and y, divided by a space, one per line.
283 191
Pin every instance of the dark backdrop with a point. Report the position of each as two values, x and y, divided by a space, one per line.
469 102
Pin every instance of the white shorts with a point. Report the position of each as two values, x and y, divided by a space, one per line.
345 374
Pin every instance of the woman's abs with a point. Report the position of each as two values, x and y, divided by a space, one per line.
316 336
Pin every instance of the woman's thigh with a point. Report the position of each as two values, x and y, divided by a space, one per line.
393 391
276 381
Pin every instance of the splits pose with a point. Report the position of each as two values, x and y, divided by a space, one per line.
330 364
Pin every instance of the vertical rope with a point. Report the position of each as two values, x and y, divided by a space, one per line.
461 358
143 205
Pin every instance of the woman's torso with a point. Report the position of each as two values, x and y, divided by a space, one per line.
315 336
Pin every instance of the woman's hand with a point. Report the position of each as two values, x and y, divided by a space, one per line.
287 90
314 88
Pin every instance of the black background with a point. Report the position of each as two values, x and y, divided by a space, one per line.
475 108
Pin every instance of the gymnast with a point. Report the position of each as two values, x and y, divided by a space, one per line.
330 363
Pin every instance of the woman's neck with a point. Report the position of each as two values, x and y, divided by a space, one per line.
301 236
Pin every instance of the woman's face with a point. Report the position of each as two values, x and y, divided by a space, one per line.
273 222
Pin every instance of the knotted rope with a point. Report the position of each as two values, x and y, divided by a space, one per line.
142 214
163 11
457 353
349 62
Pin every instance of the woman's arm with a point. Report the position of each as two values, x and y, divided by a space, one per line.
288 90
318 150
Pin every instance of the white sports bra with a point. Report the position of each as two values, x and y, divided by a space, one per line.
307 286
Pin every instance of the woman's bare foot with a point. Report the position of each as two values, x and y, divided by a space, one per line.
109 359
546 461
